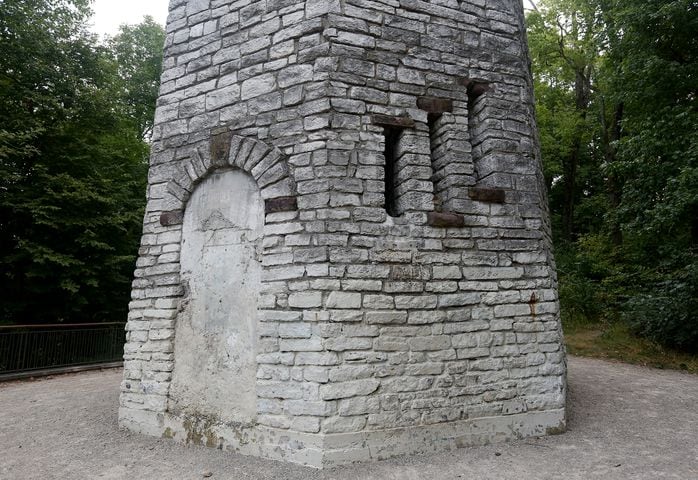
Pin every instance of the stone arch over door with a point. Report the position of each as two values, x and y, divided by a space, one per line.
223 196
266 165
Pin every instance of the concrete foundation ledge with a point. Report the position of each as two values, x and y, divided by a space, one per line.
331 450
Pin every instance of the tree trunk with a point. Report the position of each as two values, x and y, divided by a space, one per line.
611 134
570 189
571 164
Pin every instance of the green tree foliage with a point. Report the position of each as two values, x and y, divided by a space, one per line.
658 162
72 164
622 163
565 47
138 53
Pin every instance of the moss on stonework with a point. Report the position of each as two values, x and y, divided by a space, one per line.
199 430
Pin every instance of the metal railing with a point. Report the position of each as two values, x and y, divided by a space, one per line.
25 348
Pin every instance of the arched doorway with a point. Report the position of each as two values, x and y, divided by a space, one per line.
215 339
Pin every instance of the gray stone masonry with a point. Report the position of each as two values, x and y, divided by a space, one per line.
407 295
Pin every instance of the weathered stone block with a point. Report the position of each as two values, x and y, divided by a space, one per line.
348 389
346 300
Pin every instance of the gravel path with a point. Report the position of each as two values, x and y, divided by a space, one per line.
626 422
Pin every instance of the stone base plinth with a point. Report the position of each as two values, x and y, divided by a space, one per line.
331 450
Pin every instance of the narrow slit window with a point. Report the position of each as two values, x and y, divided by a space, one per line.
392 138
477 124
437 151
433 120
449 152
473 124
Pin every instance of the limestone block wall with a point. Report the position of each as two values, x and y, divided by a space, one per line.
407 297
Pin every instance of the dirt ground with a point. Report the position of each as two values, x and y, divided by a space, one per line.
626 422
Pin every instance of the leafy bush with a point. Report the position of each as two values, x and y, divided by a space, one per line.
592 281
669 313
579 292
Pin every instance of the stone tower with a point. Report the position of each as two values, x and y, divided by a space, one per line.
346 250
